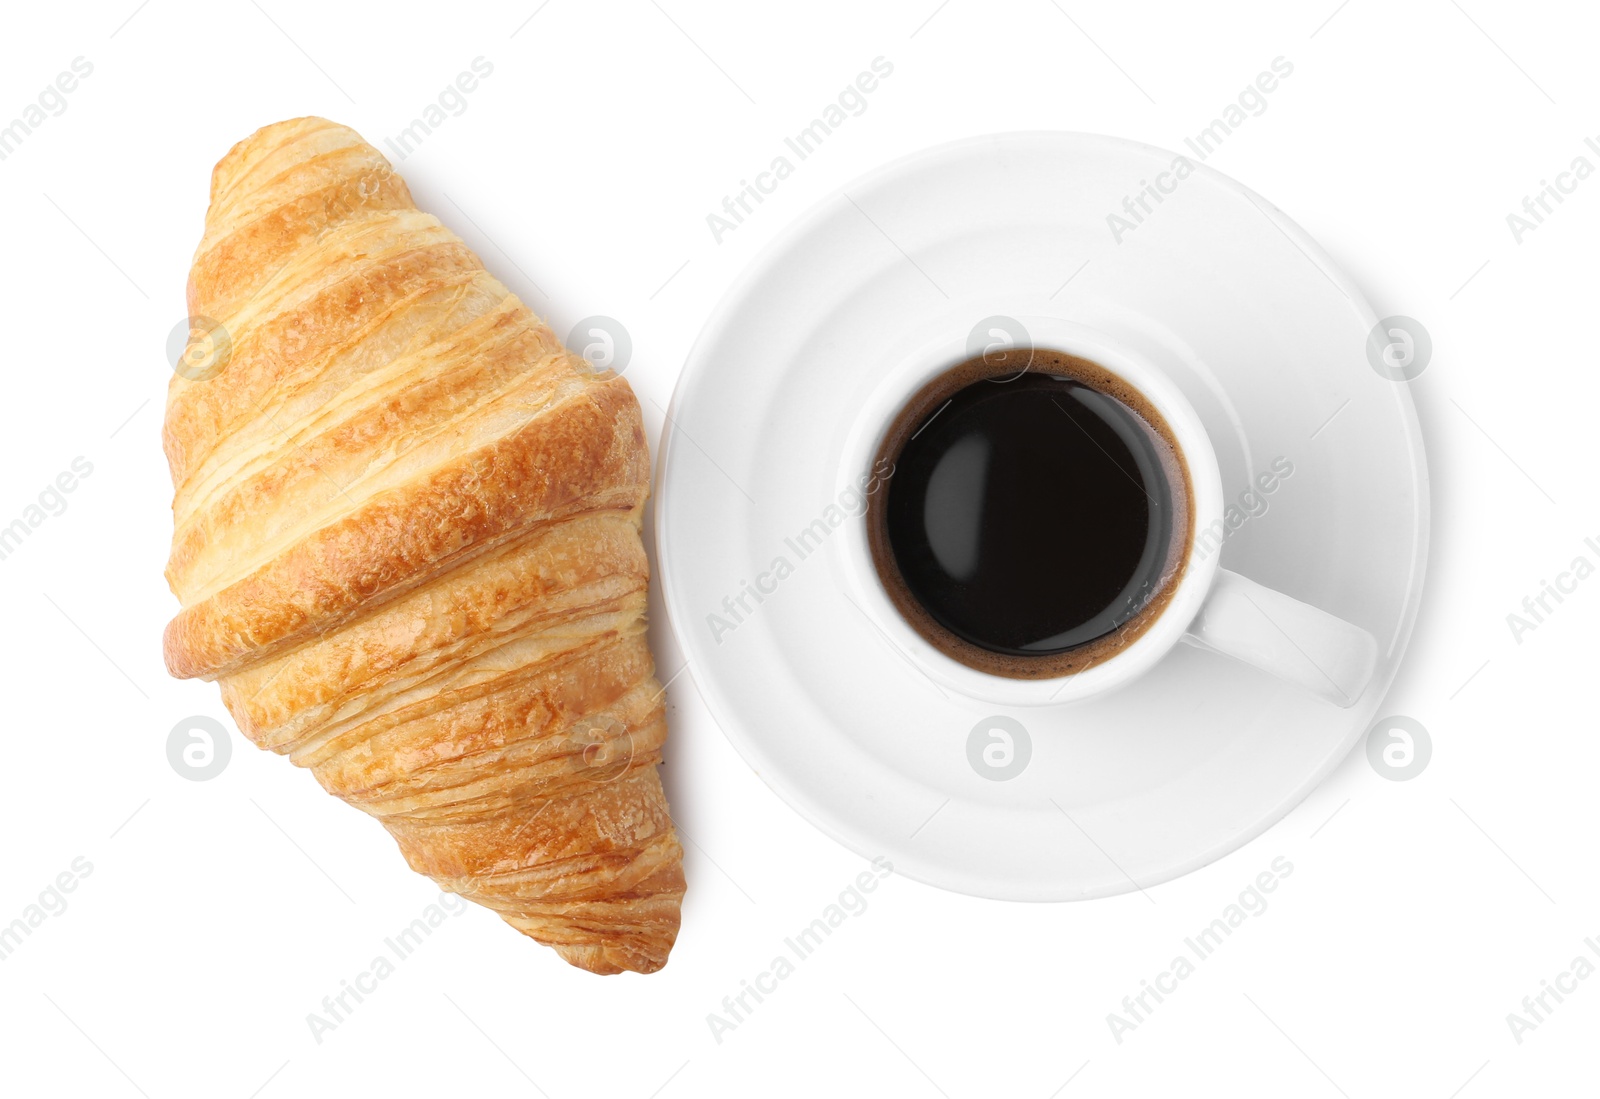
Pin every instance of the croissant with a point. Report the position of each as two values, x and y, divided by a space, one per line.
406 542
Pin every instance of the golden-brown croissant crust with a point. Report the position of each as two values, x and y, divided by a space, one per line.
407 544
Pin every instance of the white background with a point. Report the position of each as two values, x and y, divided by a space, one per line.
218 914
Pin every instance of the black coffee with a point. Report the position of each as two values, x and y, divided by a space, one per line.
1037 515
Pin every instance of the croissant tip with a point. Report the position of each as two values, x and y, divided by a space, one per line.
608 960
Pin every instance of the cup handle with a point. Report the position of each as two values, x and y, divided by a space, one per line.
1284 637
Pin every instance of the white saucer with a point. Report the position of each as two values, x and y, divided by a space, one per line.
1266 338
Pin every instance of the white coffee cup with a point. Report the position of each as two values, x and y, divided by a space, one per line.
1211 607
